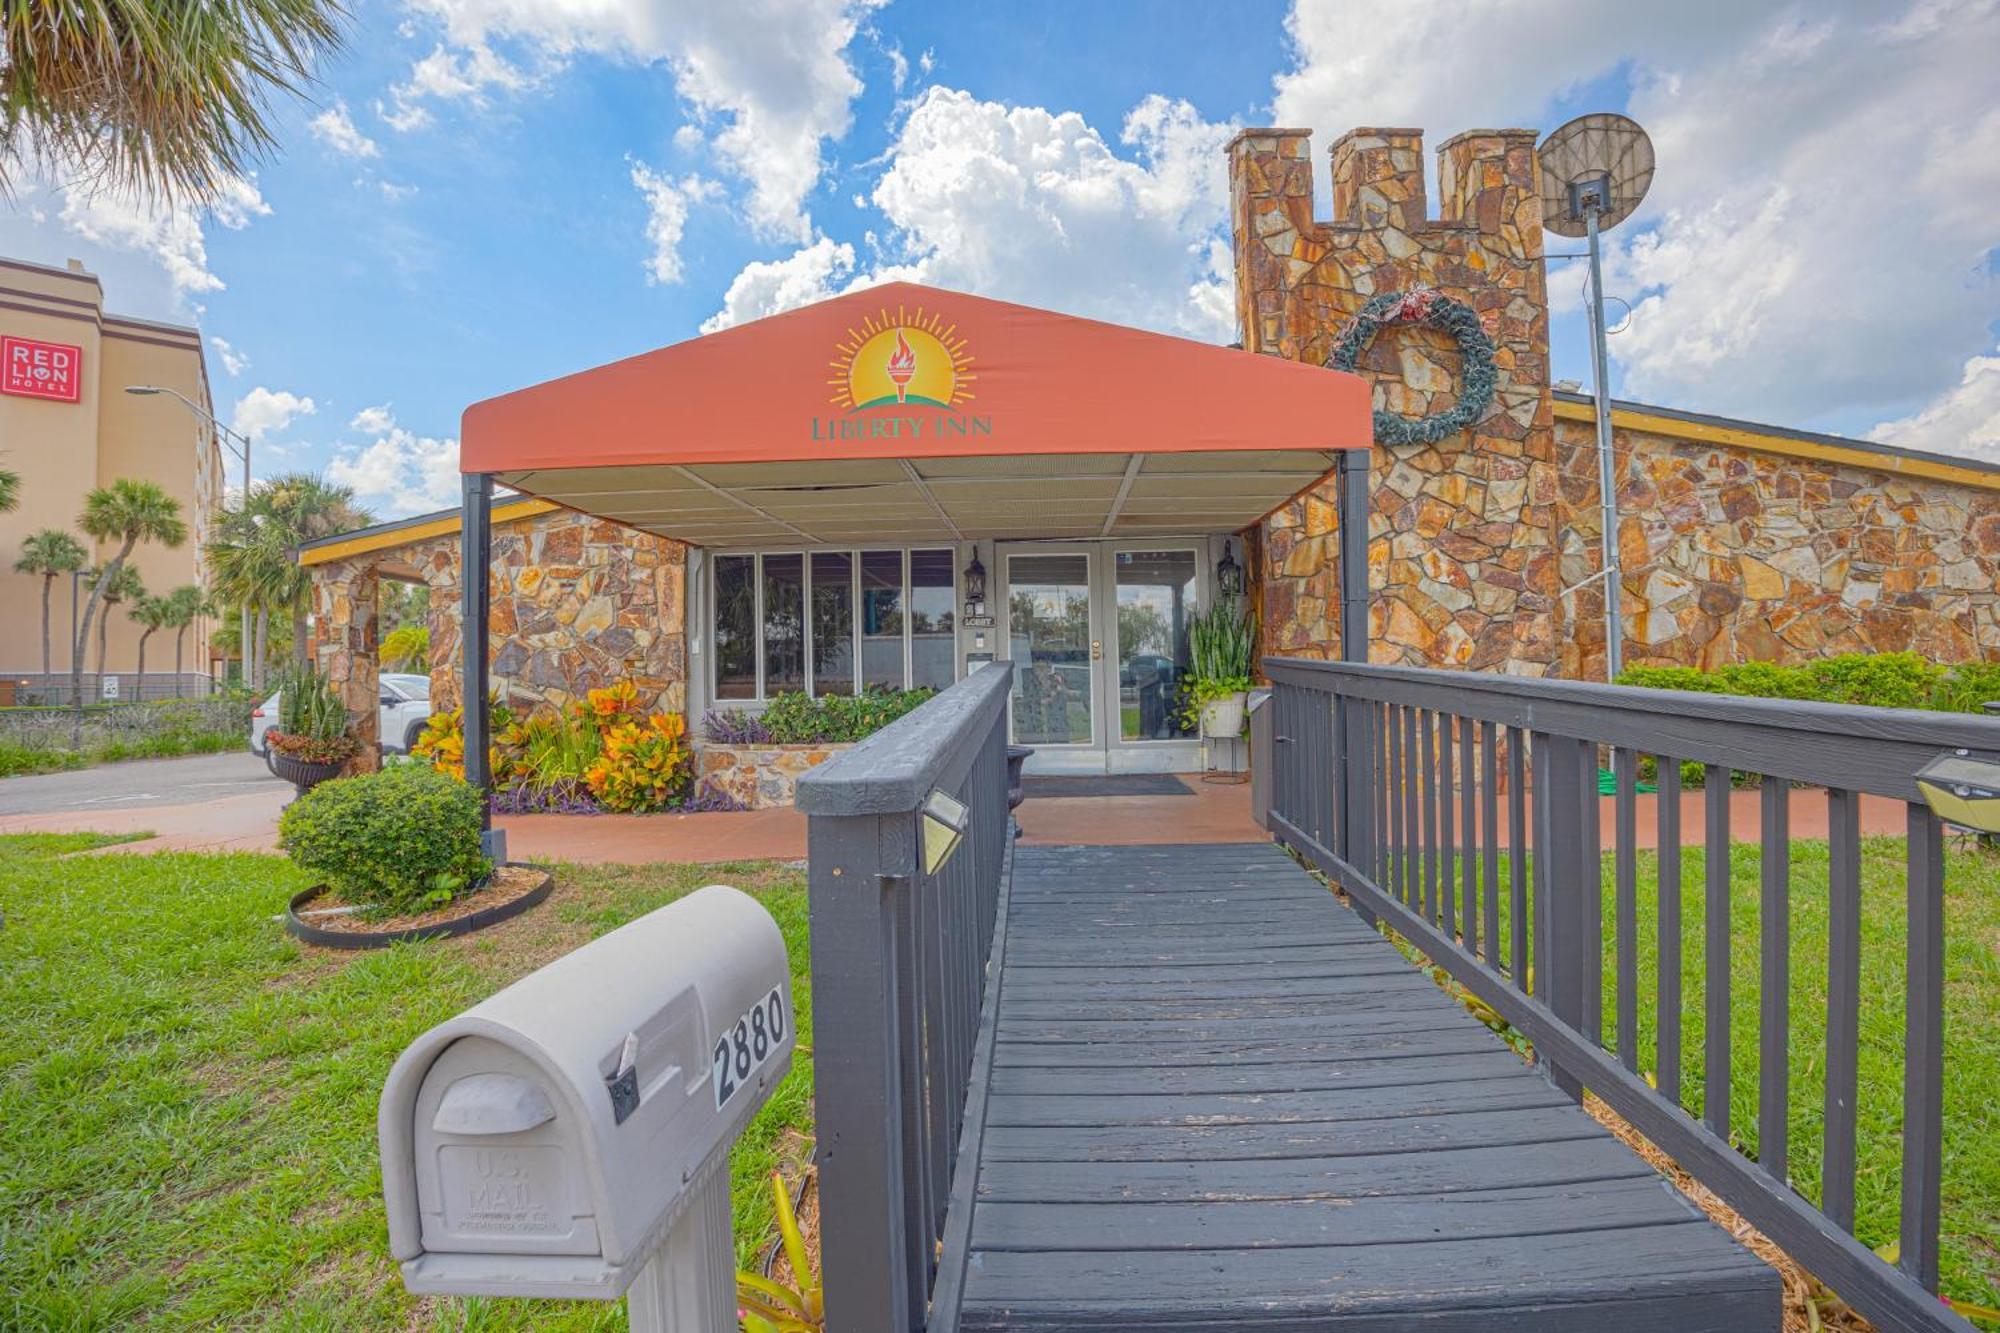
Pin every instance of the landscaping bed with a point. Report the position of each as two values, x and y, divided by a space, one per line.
329 919
189 1094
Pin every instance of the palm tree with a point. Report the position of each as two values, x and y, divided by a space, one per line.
127 512
254 554
123 586
165 99
153 614
50 552
10 490
185 605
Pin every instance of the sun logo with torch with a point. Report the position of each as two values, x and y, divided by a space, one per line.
898 358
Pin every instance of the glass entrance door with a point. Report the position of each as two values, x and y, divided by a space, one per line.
1051 643
1153 593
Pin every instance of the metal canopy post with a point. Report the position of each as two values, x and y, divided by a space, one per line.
1351 483
475 558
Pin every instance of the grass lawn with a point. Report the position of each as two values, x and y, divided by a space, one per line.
189 1096
1970 1261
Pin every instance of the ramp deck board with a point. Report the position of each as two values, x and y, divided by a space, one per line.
1217 1100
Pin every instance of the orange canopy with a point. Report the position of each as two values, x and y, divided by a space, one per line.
816 424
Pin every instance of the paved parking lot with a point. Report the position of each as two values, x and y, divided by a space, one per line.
138 783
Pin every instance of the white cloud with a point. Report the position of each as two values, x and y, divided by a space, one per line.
769 286
688 138
1963 420
1034 206
667 203
1818 241
263 412
233 361
776 69
111 228
379 420
335 128
399 472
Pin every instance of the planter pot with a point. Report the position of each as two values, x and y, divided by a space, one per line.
301 773
1017 756
1222 719
477 919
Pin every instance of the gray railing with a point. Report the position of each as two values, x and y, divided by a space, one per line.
1463 810
900 982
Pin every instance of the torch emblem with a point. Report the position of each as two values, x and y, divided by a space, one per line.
902 358
902 366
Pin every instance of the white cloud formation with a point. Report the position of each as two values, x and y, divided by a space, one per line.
1963 420
667 204
263 412
1817 245
767 287
233 361
335 128
776 69
399 472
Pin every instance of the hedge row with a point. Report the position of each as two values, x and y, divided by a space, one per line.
1881 680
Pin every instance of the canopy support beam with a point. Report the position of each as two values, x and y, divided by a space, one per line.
1351 494
475 561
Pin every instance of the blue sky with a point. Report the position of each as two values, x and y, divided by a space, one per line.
486 193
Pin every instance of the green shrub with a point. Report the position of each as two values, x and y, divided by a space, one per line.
1670 678
1968 686
1882 680
792 718
403 840
1764 680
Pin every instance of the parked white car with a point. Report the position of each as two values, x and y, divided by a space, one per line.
406 706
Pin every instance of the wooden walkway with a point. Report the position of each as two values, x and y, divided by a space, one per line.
1212 1098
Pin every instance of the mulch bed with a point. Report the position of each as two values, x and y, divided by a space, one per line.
511 890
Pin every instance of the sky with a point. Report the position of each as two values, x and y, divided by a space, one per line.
483 194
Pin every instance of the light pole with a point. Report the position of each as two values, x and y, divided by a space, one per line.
238 442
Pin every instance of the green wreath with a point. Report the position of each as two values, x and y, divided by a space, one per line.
1432 309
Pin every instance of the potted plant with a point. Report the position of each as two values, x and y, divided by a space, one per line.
1220 645
310 741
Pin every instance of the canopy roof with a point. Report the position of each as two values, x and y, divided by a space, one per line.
909 413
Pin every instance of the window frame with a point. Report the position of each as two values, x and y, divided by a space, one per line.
854 553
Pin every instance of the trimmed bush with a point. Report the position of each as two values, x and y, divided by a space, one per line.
1876 680
403 840
1882 680
1670 678
792 718
1969 687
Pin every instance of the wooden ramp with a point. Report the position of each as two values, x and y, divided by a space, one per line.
1212 1098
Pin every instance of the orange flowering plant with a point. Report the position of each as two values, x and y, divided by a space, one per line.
643 765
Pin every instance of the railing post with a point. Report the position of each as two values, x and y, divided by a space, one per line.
856 865
1571 872
1357 789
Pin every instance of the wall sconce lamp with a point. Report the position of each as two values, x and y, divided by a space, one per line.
974 576
1228 574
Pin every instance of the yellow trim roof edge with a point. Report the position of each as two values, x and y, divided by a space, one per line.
1779 441
505 511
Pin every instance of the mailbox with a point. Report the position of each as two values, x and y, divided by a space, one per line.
556 1138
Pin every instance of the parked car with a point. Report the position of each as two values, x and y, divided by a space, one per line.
405 707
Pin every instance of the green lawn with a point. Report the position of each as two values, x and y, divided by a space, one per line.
1970 1265
188 1096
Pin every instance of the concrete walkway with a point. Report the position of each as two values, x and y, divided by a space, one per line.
242 816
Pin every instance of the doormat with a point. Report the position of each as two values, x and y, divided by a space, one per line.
1108 784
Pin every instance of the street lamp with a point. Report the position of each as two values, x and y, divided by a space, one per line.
238 442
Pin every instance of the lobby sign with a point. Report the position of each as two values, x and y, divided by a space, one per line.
30 368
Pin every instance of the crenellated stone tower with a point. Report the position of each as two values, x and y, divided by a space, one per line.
1462 565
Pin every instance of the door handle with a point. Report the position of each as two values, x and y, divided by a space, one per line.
1097 650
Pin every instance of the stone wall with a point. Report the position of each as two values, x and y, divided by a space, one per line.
755 777
578 603
1738 554
1462 567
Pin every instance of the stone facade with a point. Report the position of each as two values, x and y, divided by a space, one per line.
1462 565
1750 544
755 776
1737 554
578 603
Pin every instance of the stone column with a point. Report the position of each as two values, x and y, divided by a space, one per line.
346 651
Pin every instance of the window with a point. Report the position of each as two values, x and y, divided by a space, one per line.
882 619
833 622
805 621
784 623
933 645
735 636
